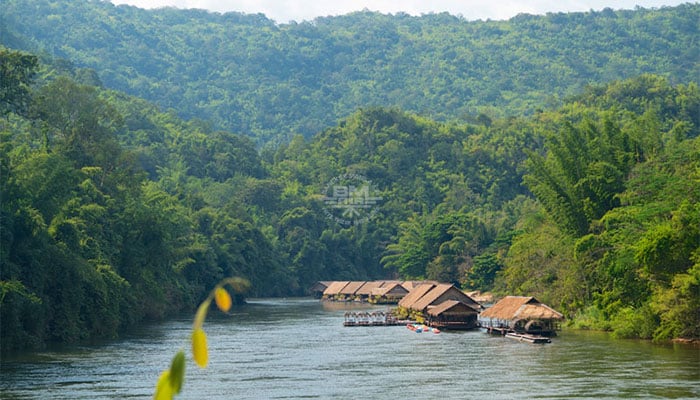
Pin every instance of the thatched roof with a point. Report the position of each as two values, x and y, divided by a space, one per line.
393 288
410 285
452 307
415 294
335 288
440 293
369 287
352 287
520 307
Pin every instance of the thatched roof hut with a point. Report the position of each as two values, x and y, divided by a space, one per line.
452 307
367 289
390 293
415 294
318 288
391 289
453 314
351 288
441 293
334 288
521 307
522 313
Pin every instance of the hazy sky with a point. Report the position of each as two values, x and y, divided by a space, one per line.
283 11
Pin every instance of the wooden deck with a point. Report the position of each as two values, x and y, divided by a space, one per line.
528 338
522 337
375 318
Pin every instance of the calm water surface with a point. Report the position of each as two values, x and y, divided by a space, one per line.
298 348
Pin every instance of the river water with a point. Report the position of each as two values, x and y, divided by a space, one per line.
298 348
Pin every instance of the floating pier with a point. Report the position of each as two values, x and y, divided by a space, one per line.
519 336
374 318
528 338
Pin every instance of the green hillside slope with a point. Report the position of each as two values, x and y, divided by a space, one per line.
245 74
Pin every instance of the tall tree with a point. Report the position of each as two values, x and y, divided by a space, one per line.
585 168
78 123
17 72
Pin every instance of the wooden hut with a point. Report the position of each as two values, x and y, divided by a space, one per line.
384 292
318 288
420 301
333 290
521 314
390 293
440 293
414 295
347 293
453 314
365 292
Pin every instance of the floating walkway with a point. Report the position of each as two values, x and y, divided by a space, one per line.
374 318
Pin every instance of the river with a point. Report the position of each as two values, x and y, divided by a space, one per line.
298 348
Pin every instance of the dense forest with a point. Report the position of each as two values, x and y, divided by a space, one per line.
116 210
246 74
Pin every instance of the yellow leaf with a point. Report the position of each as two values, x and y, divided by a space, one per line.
199 347
177 372
223 299
164 390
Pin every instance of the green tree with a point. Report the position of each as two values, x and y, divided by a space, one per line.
665 250
581 175
678 305
17 72
408 255
78 123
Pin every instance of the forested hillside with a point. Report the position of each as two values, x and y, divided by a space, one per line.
245 74
115 210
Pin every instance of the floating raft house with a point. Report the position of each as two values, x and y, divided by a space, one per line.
377 292
318 288
521 315
442 306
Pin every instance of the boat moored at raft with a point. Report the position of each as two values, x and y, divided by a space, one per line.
419 328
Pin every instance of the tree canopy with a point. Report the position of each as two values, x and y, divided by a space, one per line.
246 74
